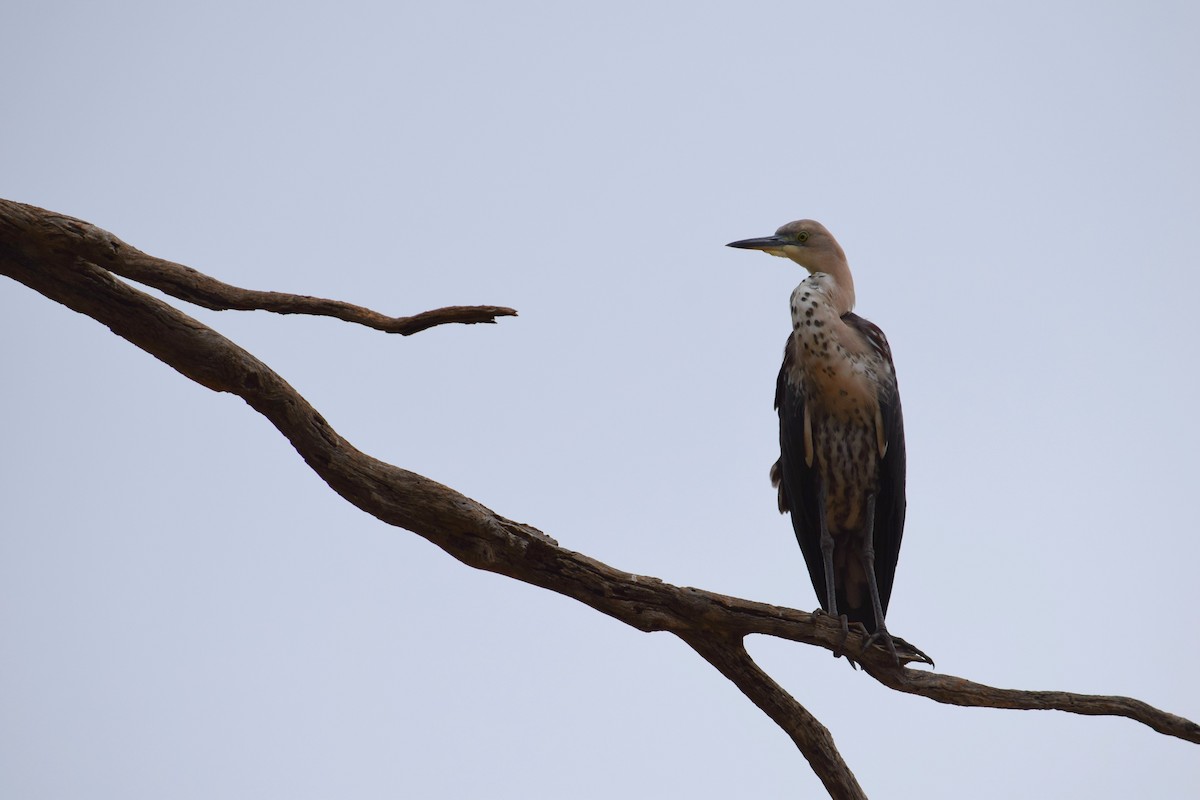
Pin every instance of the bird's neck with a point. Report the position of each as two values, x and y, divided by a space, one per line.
836 283
818 305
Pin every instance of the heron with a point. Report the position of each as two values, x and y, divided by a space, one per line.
840 472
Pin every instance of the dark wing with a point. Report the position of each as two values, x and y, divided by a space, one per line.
890 500
795 479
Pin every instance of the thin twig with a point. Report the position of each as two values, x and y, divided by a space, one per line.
102 248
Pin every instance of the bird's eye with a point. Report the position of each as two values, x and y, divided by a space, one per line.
802 236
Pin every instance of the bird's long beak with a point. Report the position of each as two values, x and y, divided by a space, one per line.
767 243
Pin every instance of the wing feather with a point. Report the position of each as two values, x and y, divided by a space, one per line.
890 502
795 479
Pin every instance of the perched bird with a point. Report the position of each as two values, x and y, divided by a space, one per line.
840 471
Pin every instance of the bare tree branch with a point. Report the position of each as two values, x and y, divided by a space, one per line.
70 261
962 692
105 250
728 654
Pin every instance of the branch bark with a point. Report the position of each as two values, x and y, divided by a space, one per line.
101 248
74 263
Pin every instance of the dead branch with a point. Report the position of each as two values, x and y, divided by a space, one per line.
101 248
962 692
73 262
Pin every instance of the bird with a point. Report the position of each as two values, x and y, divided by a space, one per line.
841 467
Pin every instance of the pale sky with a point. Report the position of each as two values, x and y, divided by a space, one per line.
186 611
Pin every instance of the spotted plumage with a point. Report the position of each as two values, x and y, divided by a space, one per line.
841 469
841 434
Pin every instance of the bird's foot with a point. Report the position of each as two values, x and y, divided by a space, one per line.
911 653
839 649
884 639
902 652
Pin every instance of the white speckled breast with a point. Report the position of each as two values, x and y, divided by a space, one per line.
839 368
840 375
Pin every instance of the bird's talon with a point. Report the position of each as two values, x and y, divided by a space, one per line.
883 639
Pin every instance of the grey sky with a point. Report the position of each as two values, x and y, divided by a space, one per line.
187 612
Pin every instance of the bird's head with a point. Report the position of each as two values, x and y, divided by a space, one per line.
804 241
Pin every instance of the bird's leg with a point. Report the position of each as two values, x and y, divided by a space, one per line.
827 555
827 559
868 557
